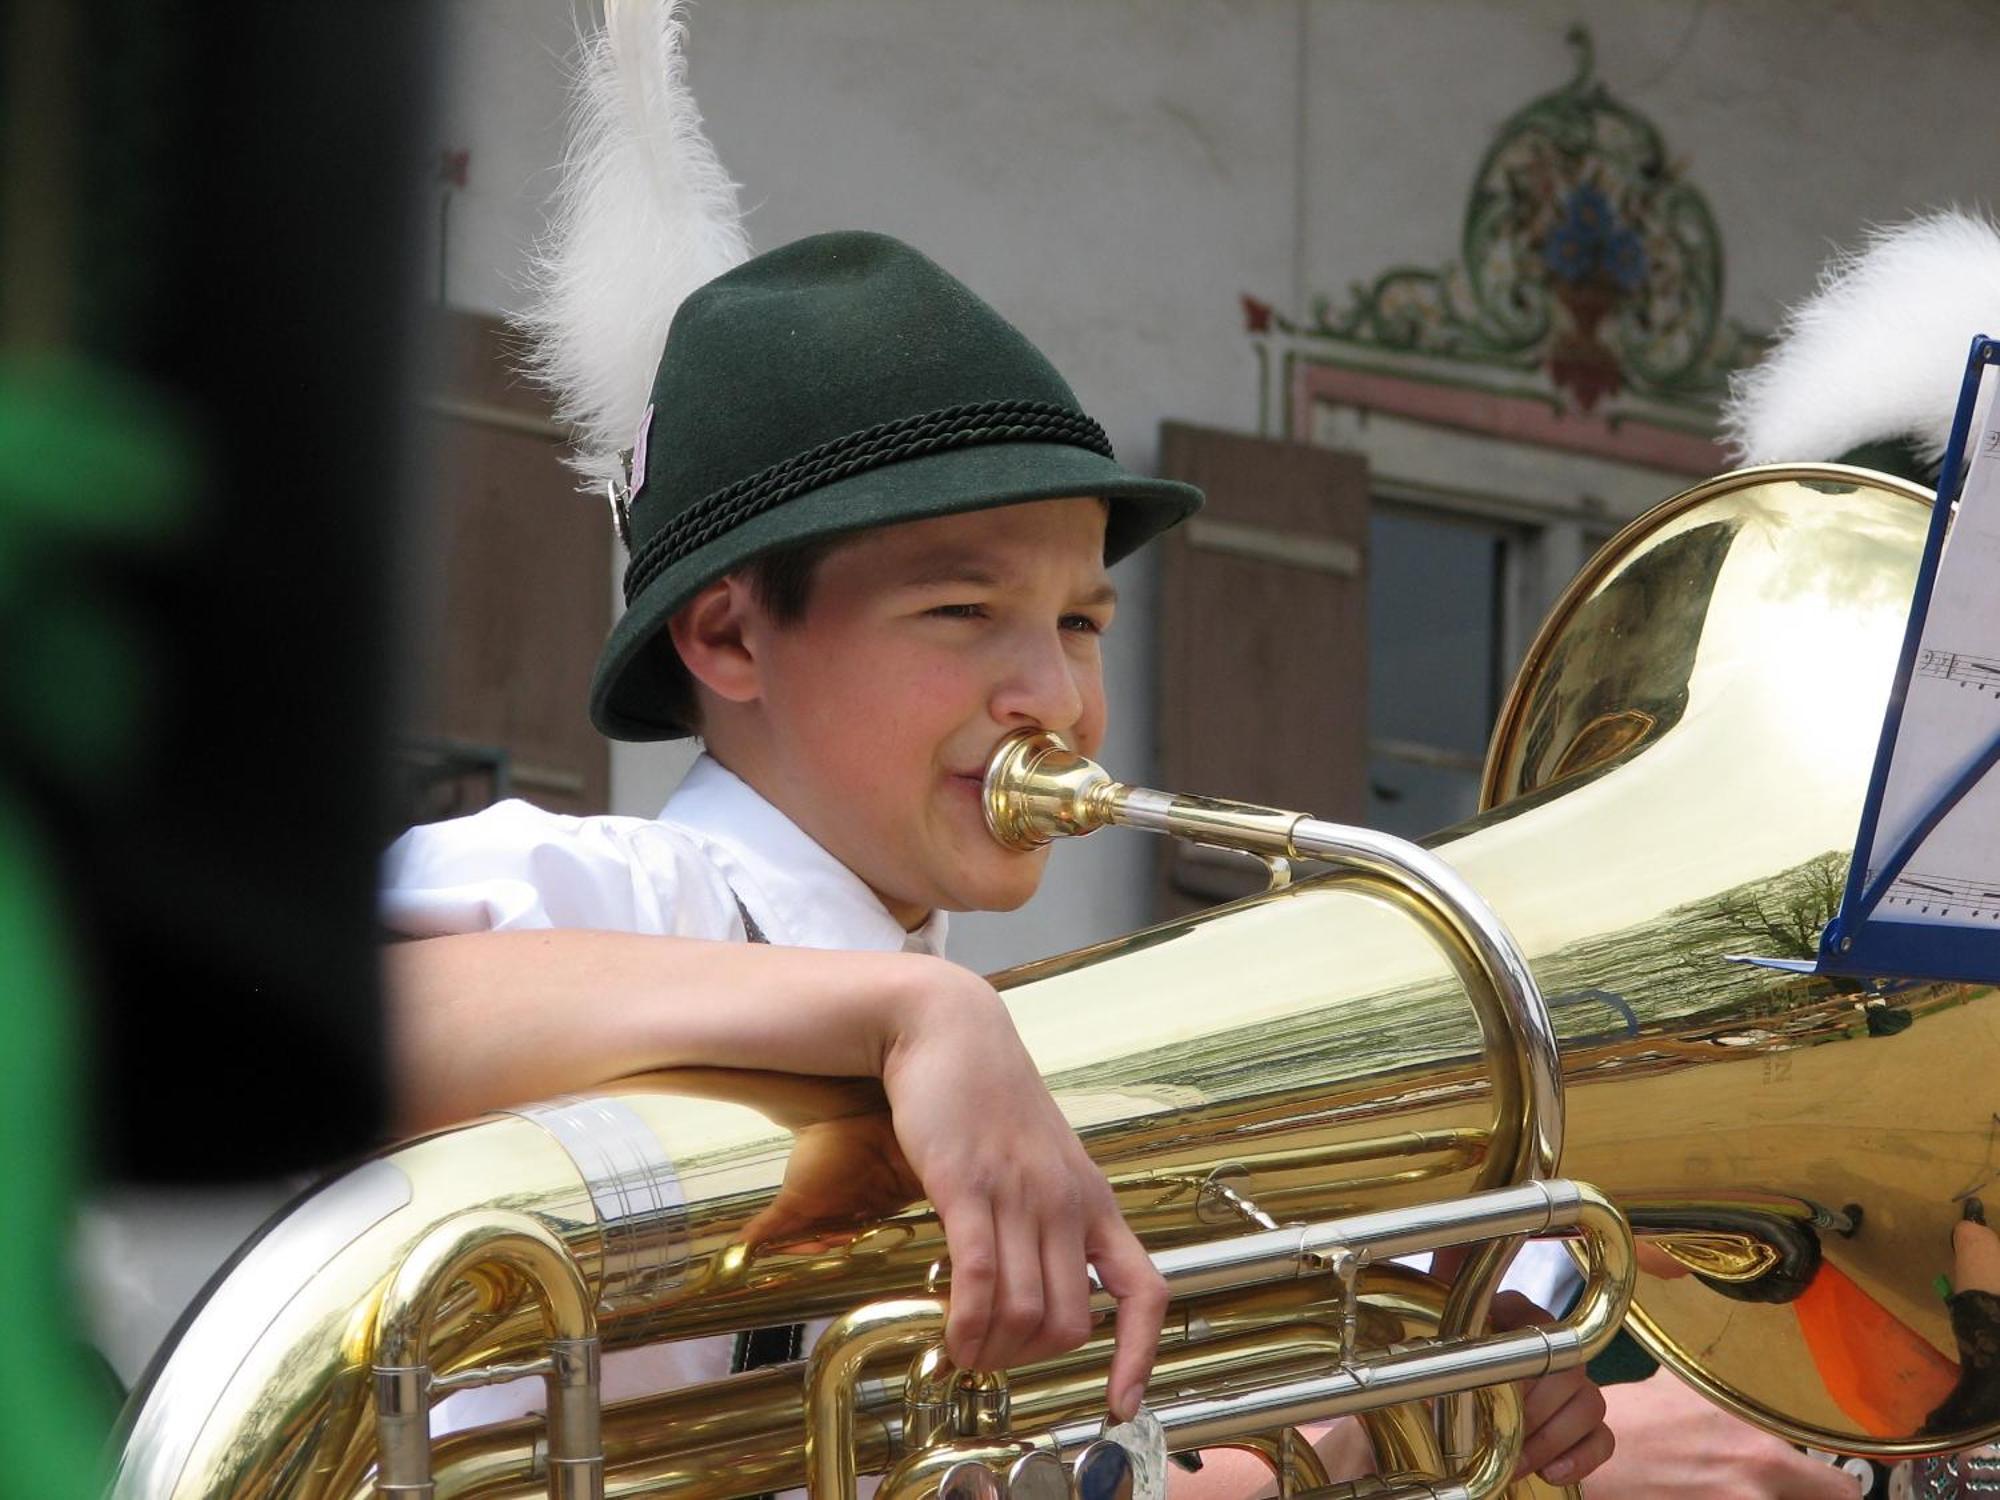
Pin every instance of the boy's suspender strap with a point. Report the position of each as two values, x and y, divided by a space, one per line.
751 931
758 1347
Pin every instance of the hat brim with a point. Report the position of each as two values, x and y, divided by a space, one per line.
632 688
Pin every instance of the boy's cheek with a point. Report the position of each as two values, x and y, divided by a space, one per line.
1088 735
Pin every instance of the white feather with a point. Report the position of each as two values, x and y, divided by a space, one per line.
1878 351
644 215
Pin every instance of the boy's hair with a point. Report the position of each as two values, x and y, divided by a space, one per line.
781 580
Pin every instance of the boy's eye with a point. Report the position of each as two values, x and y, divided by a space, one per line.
958 611
1083 624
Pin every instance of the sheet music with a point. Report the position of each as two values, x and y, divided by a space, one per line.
1952 714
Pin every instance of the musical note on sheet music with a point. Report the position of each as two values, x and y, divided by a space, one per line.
1981 672
1942 896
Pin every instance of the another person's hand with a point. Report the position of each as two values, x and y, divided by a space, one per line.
1565 1434
1024 1209
1975 1252
1673 1442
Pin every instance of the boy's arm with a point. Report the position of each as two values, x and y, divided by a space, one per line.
491 1019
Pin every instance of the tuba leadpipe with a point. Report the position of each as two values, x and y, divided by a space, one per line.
1037 789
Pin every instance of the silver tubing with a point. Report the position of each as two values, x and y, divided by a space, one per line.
498 1373
403 1428
1287 1254
1441 1368
576 1449
1407 1375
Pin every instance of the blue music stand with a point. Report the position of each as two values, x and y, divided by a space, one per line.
1862 939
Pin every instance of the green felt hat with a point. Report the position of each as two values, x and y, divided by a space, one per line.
837 384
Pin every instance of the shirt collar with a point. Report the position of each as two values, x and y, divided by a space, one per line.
800 895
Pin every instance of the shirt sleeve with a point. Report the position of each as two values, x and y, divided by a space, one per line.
514 867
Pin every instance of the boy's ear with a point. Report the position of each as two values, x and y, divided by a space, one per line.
709 632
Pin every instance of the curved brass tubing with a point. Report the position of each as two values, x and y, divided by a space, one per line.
490 1238
745 1433
900 1325
1293 1461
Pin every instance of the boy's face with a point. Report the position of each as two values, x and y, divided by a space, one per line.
922 646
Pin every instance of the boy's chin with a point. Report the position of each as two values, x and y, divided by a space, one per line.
1007 885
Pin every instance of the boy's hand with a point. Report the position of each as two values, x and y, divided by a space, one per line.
1563 1413
1024 1209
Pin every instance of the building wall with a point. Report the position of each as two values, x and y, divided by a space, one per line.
1113 174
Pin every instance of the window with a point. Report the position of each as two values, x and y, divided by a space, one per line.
1440 640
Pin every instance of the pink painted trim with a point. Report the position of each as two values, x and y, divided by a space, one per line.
1517 418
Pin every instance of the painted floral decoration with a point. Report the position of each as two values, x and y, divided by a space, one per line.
1586 255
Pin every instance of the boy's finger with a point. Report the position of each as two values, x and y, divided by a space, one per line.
1588 1456
1569 1426
1125 1271
1511 1310
1018 1303
1546 1396
1065 1287
968 1239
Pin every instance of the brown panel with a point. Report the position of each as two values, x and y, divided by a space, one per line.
517 565
1264 648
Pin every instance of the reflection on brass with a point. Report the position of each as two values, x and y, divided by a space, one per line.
1755 621
1603 740
1722 1257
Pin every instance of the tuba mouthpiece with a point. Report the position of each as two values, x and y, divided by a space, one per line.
1038 789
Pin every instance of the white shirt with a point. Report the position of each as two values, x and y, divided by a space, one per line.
682 874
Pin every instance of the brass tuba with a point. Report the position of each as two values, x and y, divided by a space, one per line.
1673 785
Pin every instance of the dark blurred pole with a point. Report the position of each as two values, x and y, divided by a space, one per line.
250 187
209 271
35 175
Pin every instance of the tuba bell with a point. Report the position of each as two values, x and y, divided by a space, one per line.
1285 1092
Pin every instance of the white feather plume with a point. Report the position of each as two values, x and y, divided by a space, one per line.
1878 351
644 215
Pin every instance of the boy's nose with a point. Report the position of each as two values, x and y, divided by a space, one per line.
1040 688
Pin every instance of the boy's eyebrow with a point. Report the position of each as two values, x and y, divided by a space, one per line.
949 568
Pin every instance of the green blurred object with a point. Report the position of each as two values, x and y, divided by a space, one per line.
86 466
55 1418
